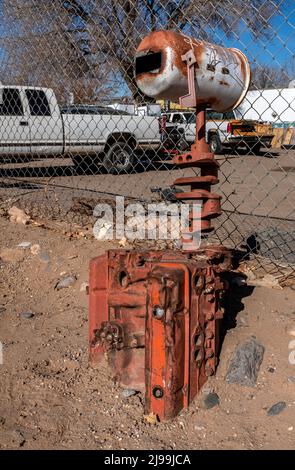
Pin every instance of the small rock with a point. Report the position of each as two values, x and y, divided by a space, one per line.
84 287
200 427
290 428
244 366
271 369
35 249
2 309
211 400
291 379
24 245
207 388
26 315
151 418
128 392
66 282
123 242
276 408
18 215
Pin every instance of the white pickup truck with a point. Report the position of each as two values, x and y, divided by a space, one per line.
222 130
32 123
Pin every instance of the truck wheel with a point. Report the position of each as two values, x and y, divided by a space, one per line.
214 144
256 149
119 159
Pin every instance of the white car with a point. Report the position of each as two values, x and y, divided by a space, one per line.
32 123
222 130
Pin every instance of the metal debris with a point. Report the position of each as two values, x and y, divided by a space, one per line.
66 282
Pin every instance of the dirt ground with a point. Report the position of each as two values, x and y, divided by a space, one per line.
51 399
260 185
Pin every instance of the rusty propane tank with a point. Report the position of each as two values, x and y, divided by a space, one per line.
222 75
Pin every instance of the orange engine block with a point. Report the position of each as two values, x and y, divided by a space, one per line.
157 315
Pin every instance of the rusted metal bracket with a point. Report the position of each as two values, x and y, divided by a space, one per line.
189 100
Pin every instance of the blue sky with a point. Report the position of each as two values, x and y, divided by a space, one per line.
278 49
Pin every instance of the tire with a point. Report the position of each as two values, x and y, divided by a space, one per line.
214 144
119 159
256 148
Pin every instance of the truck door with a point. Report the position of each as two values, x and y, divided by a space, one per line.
14 126
190 128
46 125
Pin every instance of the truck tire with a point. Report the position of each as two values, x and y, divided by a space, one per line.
215 144
119 159
256 148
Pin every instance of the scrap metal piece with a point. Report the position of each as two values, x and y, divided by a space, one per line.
160 330
222 74
190 99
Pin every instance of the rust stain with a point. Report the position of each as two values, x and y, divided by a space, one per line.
222 82
243 69
212 100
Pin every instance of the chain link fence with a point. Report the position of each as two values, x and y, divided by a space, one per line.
75 129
